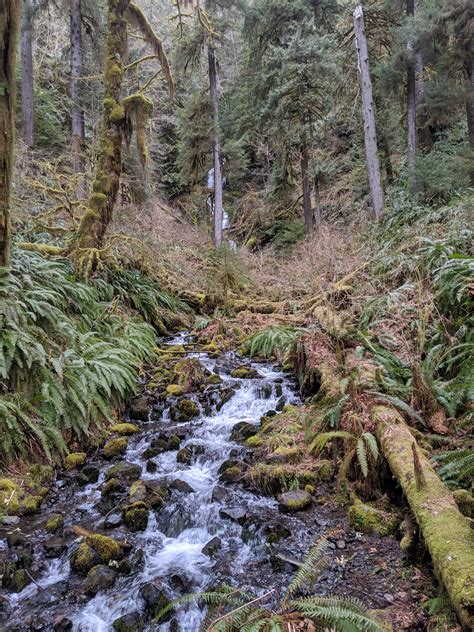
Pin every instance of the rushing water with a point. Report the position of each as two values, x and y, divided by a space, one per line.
176 534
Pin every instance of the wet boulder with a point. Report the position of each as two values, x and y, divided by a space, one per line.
165 443
62 624
115 447
226 396
151 467
112 521
211 548
295 501
54 523
181 486
190 373
155 600
135 516
125 429
280 405
106 548
99 578
242 431
83 558
231 470
185 410
187 454
124 471
236 514
31 504
139 408
153 493
55 547
131 622
88 475
220 494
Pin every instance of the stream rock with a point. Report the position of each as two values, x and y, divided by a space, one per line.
181 486
131 622
139 408
245 372
113 521
236 514
155 600
226 395
185 410
212 547
295 501
124 471
99 578
55 547
88 475
62 624
187 454
83 558
135 516
242 431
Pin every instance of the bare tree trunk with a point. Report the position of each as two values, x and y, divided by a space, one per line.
218 204
96 219
9 26
470 108
27 80
370 135
77 112
317 195
308 211
411 106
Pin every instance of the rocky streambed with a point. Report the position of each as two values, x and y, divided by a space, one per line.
161 511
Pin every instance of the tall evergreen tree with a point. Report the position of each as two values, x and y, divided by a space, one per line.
9 27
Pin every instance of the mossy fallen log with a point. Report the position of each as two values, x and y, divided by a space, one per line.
448 534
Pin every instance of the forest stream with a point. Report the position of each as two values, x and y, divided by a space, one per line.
209 531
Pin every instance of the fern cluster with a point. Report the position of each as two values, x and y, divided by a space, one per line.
273 341
67 356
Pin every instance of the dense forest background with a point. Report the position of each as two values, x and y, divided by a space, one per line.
249 172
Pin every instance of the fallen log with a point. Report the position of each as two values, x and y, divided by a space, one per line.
448 534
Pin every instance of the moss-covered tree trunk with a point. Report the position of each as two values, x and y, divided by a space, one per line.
96 219
77 111
447 533
27 79
9 25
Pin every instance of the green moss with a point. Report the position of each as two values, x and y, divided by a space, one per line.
111 487
54 523
7 485
31 504
465 502
97 201
138 491
99 578
106 548
117 113
368 519
20 580
187 409
43 492
75 460
255 442
83 558
175 390
115 446
125 429
38 474
244 373
214 379
135 516
9 502
287 454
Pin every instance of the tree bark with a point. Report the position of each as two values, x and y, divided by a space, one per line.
470 108
424 139
77 112
370 135
446 532
308 210
218 204
9 26
27 79
317 196
96 219
411 106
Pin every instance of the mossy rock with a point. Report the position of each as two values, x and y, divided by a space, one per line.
8 485
31 504
75 460
214 379
175 390
135 516
138 491
19 580
9 502
124 471
465 502
39 474
286 454
245 372
125 429
113 486
43 492
255 442
54 523
83 558
190 372
188 453
231 475
324 470
114 447
295 501
106 548
212 349
242 431
99 578
131 622
187 409
368 519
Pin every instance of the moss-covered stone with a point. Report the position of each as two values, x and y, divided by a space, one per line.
214 379
8 485
465 502
124 471
99 578
231 474
106 548
286 454
125 429
19 580
115 447
245 372
135 516
255 442
31 504
175 390
295 501
131 622
75 460
83 558
113 486
54 523
368 519
187 409
10 500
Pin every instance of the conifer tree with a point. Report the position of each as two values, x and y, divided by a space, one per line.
9 27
